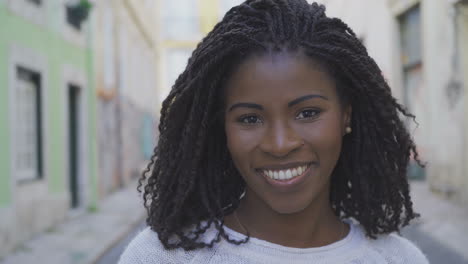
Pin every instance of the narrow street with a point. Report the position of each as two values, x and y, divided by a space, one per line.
88 237
113 254
435 251
439 247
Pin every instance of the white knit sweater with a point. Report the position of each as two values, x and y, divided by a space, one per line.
355 248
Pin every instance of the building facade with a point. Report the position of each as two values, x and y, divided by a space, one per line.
78 107
181 25
47 117
420 46
125 63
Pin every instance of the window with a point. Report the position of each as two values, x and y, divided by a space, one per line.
72 19
77 12
411 56
28 125
36 2
34 11
180 20
412 65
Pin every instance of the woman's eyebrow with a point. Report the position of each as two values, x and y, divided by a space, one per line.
306 97
248 105
293 102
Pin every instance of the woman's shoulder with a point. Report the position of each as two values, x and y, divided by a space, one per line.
146 248
397 249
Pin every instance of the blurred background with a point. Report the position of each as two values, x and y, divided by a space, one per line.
81 86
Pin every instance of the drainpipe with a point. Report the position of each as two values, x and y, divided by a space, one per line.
455 86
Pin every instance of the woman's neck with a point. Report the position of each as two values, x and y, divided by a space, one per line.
315 226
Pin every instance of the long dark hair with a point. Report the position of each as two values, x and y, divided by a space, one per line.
191 184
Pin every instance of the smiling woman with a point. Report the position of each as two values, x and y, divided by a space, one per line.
279 143
298 123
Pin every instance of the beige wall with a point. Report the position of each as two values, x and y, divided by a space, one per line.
135 52
126 80
447 145
189 21
378 36
464 77
180 28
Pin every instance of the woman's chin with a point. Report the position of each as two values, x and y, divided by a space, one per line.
286 207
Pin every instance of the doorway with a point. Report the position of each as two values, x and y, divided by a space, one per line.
74 136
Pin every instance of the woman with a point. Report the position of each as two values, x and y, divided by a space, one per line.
279 143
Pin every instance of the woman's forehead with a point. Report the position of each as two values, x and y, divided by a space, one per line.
261 75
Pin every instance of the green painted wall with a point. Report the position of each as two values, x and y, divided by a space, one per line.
5 192
92 99
49 42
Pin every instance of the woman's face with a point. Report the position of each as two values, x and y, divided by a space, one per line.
284 125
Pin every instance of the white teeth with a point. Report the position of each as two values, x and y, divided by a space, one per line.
294 173
282 176
285 174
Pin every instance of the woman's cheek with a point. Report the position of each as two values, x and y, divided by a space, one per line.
241 143
244 138
324 138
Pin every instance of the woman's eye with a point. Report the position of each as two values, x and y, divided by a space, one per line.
308 114
249 120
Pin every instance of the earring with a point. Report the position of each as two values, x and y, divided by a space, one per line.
348 130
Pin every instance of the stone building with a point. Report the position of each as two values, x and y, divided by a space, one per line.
126 84
47 117
421 47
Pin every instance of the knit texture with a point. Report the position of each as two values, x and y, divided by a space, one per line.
355 248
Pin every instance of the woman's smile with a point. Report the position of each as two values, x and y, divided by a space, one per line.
285 171
285 176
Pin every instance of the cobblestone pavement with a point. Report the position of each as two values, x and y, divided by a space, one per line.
443 245
442 230
113 254
435 250
100 237
86 238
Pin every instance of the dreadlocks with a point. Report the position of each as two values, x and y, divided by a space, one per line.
191 184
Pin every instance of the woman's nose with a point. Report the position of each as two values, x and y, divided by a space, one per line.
280 140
